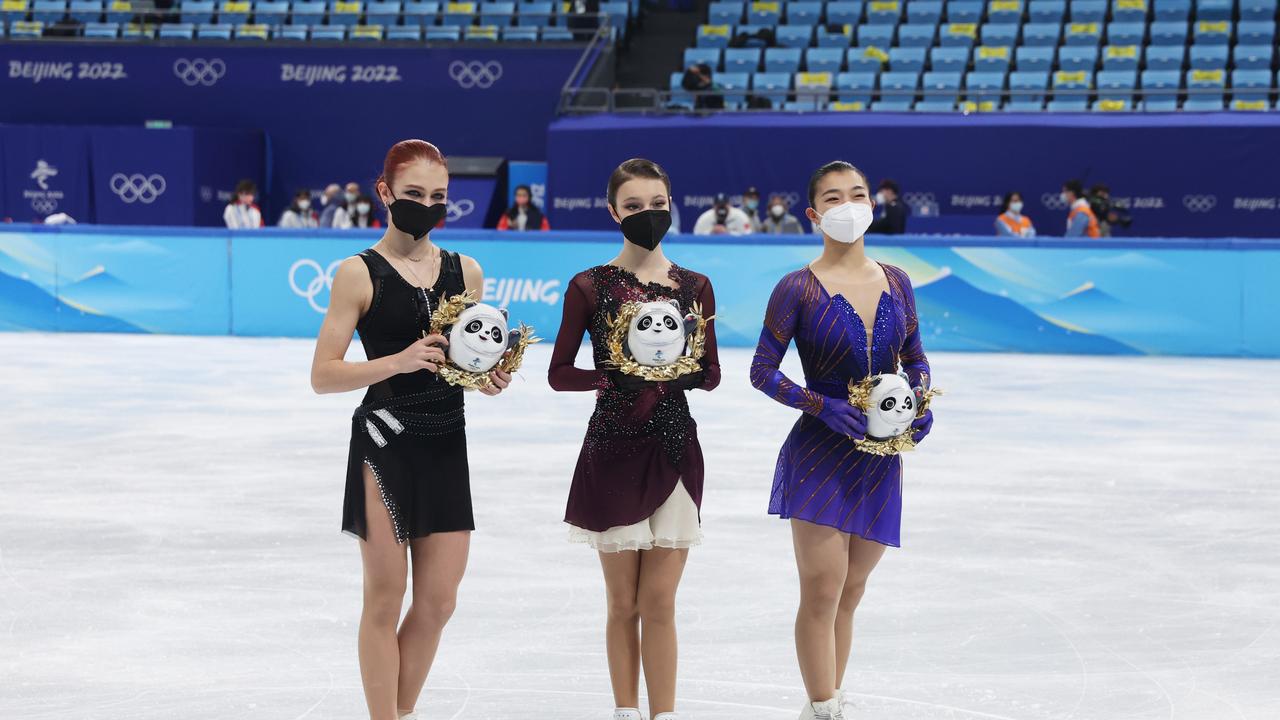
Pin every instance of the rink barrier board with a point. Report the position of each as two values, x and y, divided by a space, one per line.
1178 296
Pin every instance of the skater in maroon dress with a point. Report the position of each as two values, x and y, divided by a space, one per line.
637 490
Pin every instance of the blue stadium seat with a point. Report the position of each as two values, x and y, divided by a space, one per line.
855 87
383 13
1172 11
1240 105
958 35
1119 33
904 59
782 60
1165 57
177 31
213 31
1159 90
234 12
1253 57
48 11
716 36
413 33
424 13
1168 33
1075 58
679 97
270 12
724 13
1073 104
742 59
1026 105
803 12
735 86
1005 12
920 36
764 12
964 12
795 36
1214 10
25 29
1088 33
813 88
1117 85
698 56
1208 57
253 32
1251 86
953 59
935 105
1036 59
555 34
1204 87
753 33
1255 32
866 60
998 59
884 12
87 11
771 81
1251 10
924 12
1129 11
366 32
844 12
481 33
291 32
519 34
1212 32
122 11
193 12
1071 81
839 36
984 86
1041 34
533 14
941 86
893 104
1027 85
1006 35
880 36
454 14
1087 11
1121 57
824 60
102 31
1202 103
443 33
1051 12
899 87
307 12
329 33
503 13
345 13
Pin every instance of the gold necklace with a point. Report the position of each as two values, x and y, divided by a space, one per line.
435 258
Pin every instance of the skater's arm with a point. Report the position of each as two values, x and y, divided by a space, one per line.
330 371
711 358
780 321
562 374
911 356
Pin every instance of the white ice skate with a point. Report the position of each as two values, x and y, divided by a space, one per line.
825 710
627 714
411 715
666 716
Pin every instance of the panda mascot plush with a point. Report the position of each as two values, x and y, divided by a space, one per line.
479 337
658 333
891 407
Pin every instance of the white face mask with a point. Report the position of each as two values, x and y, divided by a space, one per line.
363 208
880 198
350 197
777 211
1015 207
1062 197
304 204
846 223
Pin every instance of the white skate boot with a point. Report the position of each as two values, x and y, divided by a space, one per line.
627 714
824 710
666 716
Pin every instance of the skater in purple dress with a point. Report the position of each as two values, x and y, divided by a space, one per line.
850 317
637 489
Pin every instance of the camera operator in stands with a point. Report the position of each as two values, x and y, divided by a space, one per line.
722 219
893 212
1108 214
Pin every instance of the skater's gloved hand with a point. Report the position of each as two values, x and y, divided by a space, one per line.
630 383
844 418
692 381
922 425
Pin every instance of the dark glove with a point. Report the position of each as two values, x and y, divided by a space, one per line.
692 381
844 418
629 383
922 426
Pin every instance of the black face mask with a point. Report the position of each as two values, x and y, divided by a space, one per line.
414 218
647 227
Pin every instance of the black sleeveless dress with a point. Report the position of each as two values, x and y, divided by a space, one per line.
410 429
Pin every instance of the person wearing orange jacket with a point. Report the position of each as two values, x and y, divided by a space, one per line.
1011 222
1081 222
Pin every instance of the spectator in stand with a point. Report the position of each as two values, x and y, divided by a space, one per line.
524 215
1109 216
697 78
299 214
893 212
779 221
751 206
329 203
343 211
1081 222
362 213
241 212
1011 222
722 219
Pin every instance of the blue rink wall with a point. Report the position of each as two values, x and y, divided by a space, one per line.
1166 297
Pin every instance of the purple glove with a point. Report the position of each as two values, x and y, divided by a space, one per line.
844 418
922 426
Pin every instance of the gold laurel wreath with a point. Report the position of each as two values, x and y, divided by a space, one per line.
446 315
685 364
860 397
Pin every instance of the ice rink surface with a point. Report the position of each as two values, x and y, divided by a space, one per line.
1083 537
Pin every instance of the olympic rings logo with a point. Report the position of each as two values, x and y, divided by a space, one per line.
138 187
457 210
1199 203
44 205
475 74
1053 201
199 71
321 280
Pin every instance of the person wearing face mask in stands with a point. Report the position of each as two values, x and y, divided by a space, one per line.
343 210
362 213
751 206
525 215
1081 222
893 212
1011 222
778 221
299 214
722 219
241 213
638 483
851 317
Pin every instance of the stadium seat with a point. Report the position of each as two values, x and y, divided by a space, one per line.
413 33
1126 33
329 33
344 12
1165 57
716 36
1050 12
386 14
917 36
1117 85
814 84
49 12
503 14
270 12
742 59
1250 105
1112 105
941 86
307 12
884 12
951 59
556 34
1168 33
783 60
958 35
1028 85
234 12
1068 85
855 87
1087 11
899 88
880 36
533 14
771 81
1257 10
88 11
102 31
1203 103
481 33
892 105
997 59
795 36
1035 59
1212 32
866 60
844 12
1253 57
1214 10
982 87
1075 59
764 12
457 14
1005 12
253 32
518 34
422 14
964 12
1129 11
725 13
194 12
213 31
1073 104
1172 10
735 86
1078 34
1041 34
177 31
1024 105
924 12
1255 32
1121 57
449 33
803 12
935 105
26 29
904 59
122 11
708 56
824 60
1209 57
995 35
291 32
1251 85
834 36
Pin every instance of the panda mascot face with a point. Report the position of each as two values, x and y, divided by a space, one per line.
656 335
891 407
479 338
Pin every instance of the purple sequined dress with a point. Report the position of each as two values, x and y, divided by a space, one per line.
820 476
